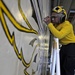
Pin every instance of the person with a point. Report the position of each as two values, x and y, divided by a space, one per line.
61 28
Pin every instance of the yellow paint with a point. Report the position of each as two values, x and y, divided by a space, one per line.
11 38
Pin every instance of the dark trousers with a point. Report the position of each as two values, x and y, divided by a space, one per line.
67 59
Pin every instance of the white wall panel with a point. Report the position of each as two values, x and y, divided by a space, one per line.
19 43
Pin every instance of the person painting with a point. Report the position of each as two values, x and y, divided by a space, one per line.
62 29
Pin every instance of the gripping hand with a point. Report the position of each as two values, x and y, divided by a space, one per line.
47 20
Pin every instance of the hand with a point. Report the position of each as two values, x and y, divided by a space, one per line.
47 20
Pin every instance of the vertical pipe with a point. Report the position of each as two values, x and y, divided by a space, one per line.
37 11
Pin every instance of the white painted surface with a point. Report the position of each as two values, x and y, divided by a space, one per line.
9 62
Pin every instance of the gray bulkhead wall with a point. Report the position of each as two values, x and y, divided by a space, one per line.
73 8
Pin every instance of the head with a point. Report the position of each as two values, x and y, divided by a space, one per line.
59 15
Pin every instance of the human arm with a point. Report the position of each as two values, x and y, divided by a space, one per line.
59 34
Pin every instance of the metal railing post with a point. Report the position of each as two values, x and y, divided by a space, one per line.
55 58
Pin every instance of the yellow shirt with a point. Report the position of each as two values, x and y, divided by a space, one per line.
64 32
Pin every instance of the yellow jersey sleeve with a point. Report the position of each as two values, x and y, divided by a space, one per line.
65 30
